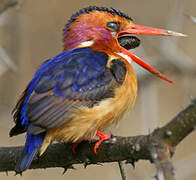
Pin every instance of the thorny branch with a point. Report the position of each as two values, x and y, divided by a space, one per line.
156 147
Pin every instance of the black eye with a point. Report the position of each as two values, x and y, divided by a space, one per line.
113 26
129 42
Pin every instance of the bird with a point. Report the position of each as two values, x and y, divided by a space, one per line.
89 86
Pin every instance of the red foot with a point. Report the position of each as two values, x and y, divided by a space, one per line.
102 137
75 145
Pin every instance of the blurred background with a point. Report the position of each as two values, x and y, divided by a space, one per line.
31 32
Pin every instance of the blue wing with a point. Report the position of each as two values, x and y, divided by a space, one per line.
74 78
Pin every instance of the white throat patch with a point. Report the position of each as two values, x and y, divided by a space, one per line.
126 57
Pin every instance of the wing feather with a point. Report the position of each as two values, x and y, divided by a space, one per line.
73 79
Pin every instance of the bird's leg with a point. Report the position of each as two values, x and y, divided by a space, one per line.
102 137
75 145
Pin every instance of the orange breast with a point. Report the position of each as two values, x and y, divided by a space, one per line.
86 121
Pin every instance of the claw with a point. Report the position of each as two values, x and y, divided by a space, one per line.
75 145
102 137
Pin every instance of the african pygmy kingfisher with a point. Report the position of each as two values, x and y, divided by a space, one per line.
86 88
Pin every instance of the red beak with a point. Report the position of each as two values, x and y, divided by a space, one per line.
138 29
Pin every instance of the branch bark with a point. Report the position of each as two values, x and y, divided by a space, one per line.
116 149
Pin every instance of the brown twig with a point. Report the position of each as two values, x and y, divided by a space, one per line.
116 149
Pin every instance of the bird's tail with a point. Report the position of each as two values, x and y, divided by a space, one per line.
32 145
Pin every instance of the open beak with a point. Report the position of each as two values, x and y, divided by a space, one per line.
138 29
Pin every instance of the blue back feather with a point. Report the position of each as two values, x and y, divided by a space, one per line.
81 69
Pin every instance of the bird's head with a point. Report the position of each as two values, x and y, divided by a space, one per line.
109 31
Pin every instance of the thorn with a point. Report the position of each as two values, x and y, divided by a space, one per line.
131 161
86 162
67 167
16 173
64 171
99 164
71 167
